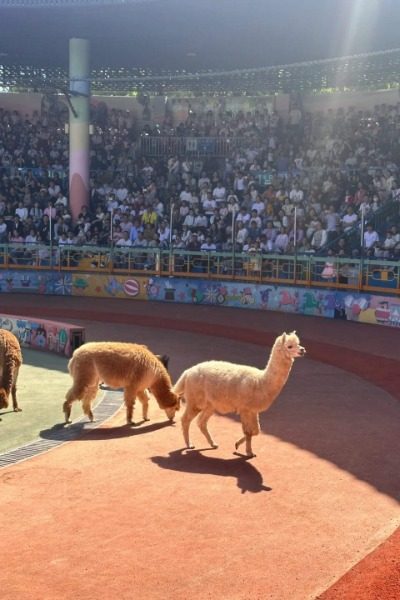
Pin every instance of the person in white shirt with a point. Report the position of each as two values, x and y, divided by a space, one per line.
240 184
331 221
3 231
258 205
124 241
61 200
121 193
203 181
31 238
296 195
53 189
209 204
388 244
319 237
208 245
21 211
164 233
189 219
200 219
370 236
241 233
349 219
186 195
281 241
140 241
219 192
243 216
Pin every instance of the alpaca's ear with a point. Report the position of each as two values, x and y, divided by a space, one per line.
283 338
293 332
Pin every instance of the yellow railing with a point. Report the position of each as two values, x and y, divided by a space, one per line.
362 275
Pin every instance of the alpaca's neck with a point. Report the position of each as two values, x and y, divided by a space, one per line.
276 374
161 388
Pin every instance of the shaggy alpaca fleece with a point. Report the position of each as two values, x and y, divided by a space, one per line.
119 365
219 386
164 358
10 362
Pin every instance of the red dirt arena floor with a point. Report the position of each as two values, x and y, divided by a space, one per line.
127 513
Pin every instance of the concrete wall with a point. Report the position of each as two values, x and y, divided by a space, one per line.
26 104
362 100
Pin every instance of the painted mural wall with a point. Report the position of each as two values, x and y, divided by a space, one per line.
363 308
42 334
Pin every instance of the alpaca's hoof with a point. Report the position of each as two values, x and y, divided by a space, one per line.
237 445
146 419
213 445
68 421
17 409
251 455
190 447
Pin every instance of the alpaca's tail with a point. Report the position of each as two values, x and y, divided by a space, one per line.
179 387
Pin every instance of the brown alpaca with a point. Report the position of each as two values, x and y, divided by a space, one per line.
218 386
119 365
10 362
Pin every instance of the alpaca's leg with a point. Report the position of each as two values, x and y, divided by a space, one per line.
16 408
85 379
144 399
130 393
90 395
246 438
77 392
202 423
14 391
67 406
188 416
250 426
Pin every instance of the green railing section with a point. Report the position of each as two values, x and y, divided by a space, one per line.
361 275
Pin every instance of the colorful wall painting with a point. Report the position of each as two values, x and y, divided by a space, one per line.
35 282
59 338
360 307
109 286
317 302
368 308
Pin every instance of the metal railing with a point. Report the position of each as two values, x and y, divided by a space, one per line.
194 147
340 273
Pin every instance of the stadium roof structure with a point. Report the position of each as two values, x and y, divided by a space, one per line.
203 46
379 70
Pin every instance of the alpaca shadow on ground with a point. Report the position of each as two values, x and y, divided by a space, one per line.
8 411
81 432
249 479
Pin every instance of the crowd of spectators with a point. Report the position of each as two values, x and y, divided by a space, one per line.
311 184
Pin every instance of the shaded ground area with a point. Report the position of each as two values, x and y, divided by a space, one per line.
157 522
42 383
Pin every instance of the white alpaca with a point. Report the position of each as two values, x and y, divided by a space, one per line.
218 386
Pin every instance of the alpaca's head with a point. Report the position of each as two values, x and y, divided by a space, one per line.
171 410
170 402
289 344
3 398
